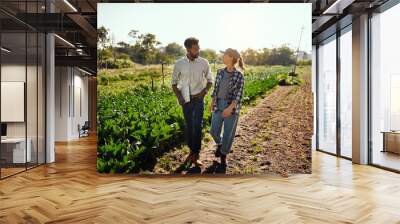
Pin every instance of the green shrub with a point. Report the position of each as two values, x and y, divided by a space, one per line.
285 79
136 125
117 63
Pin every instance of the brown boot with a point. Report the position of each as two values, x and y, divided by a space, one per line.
223 160
189 158
196 160
218 151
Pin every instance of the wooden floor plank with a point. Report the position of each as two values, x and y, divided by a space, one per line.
71 191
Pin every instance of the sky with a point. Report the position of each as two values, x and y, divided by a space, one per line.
217 26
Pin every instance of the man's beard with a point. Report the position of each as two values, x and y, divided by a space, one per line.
194 56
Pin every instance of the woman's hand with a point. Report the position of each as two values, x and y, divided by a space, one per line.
227 112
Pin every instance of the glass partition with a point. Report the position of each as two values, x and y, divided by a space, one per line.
14 151
31 98
22 77
385 89
41 91
346 92
327 95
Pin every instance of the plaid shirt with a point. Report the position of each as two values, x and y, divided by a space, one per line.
235 91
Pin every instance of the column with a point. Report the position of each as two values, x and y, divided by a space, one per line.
360 90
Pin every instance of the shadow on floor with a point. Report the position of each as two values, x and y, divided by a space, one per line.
214 168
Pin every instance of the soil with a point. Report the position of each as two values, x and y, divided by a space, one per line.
274 136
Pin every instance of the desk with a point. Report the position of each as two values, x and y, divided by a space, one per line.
391 141
13 150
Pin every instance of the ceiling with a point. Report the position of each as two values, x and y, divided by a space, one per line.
330 15
75 21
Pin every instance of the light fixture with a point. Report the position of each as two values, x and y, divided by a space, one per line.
64 40
5 50
338 6
80 50
86 72
70 5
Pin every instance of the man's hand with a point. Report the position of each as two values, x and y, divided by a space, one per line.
202 94
178 94
212 105
181 100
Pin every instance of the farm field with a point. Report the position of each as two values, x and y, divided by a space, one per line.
140 122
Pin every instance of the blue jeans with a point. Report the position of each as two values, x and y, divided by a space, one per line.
229 124
193 113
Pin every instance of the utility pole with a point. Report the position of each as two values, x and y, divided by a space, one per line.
162 72
293 73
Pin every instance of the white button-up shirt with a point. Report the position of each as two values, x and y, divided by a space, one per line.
195 74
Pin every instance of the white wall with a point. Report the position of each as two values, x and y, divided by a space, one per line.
62 82
34 125
14 72
70 83
79 117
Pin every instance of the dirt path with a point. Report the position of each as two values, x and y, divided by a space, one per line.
274 137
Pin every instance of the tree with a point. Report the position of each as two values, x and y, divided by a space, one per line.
102 36
123 56
113 47
146 48
122 44
123 48
281 56
174 50
251 56
102 39
209 54
133 34
162 57
263 56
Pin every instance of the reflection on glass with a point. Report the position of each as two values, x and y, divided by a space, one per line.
14 151
327 96
22 90
31 101
385 89
41 99
346 94
395 102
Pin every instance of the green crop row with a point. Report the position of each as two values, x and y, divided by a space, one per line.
123 76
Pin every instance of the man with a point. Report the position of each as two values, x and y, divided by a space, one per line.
191 81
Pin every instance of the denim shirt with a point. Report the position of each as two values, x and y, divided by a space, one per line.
235 92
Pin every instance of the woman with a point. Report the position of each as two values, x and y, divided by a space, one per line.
225 105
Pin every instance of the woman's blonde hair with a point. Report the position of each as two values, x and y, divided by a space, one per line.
237 58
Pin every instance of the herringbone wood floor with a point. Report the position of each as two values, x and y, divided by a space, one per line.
71 191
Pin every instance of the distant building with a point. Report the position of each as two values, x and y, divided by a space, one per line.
304 55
